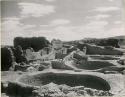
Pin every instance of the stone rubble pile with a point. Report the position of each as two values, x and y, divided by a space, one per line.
54 90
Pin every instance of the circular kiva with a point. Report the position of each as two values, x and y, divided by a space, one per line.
93 65
92 80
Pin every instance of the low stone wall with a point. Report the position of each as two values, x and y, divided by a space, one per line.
19 89
60 65
104 57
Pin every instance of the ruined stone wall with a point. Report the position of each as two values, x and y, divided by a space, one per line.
93 49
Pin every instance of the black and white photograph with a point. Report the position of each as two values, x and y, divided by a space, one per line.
62 48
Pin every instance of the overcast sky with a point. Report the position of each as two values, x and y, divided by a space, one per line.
62 19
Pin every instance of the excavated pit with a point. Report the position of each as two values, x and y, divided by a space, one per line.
86 80
93 65
86 65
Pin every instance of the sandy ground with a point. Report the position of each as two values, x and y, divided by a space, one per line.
10 75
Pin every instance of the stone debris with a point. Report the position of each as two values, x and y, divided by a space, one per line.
54 90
